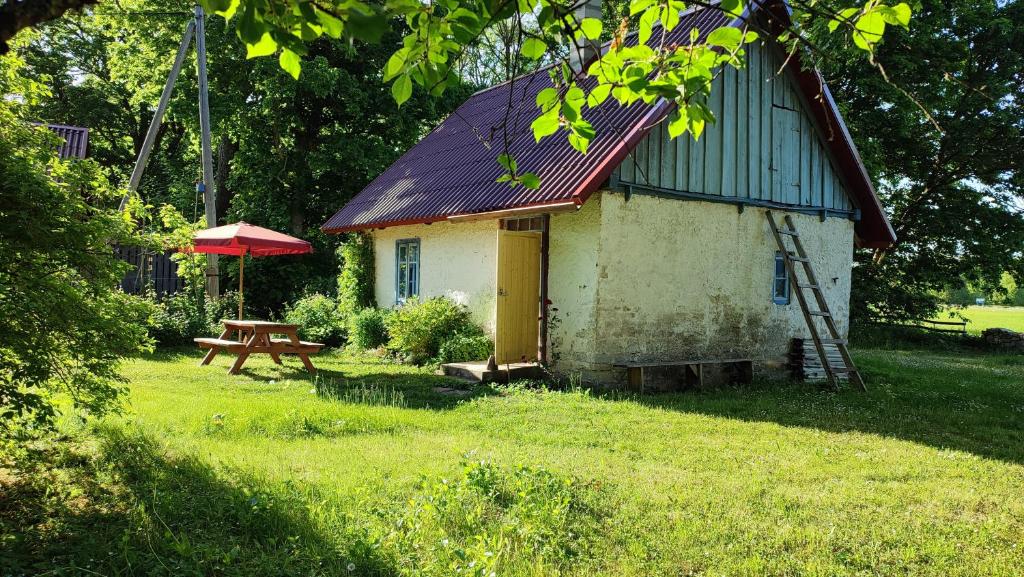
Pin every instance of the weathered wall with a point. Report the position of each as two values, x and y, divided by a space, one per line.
692 279
457 260
572 287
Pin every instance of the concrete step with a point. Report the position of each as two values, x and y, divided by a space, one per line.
476 371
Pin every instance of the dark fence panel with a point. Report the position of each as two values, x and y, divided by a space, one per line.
149 270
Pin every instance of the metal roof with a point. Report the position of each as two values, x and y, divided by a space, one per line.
452 172
76 140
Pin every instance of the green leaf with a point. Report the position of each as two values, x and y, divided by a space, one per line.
507 162
678 122
401 89
578 142
547 98
869 30
647 23
534 48
395 64
669 18
265 47
545 125
591 28
229 12
530 180
733 8
333 27
291 63
638 6
249 29
727 37
598 95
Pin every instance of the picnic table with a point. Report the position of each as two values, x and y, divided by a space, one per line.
257 337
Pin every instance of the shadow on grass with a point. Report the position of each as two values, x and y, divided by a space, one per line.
970 402
134 510
414 391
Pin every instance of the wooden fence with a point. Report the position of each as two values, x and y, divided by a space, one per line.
150 269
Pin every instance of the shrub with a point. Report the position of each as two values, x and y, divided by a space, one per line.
368 329
177 320
355 283
418 329
318 319
465 347
225 307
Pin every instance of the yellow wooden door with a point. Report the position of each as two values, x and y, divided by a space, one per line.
518 302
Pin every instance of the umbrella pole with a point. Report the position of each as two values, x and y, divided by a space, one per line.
241 286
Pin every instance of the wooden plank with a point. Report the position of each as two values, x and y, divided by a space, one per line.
713 146
742 123
667 166
728 130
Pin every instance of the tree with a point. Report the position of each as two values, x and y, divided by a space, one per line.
949 172
64 327
440 32
288 153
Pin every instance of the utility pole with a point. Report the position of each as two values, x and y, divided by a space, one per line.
154 125
209 193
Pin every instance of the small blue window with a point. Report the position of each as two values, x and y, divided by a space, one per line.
780 281
407 269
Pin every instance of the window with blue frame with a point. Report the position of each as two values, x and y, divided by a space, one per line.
407 269
780 282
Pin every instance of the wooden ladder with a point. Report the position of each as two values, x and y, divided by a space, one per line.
834 366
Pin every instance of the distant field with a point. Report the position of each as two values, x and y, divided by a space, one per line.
981 318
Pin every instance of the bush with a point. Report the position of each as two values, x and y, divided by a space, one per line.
177 320
318 319
418 329
225 307
368 328
465 347
355 282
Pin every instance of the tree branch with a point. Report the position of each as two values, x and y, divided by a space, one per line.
16 15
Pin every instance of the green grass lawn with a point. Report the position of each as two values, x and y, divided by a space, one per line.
981 318
370 471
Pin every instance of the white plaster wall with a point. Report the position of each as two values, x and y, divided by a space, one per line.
690 279
457 260
572 287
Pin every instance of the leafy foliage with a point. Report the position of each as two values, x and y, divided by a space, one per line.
954 195
288 153
419 328
356 281
64 328
466 347
178 319
319 319
368 328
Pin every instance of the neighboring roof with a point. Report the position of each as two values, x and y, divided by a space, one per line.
453 170
76 140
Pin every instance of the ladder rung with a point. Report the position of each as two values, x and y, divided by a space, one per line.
789 232
833 341
819 313
799 259
807 286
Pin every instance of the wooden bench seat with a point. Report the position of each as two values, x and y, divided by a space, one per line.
692 373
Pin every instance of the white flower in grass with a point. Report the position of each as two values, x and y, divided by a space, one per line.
351 567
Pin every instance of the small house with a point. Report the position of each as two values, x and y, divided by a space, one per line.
645 249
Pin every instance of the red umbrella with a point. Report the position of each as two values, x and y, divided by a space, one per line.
243 238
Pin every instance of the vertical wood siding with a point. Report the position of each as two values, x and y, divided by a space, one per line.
763 147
